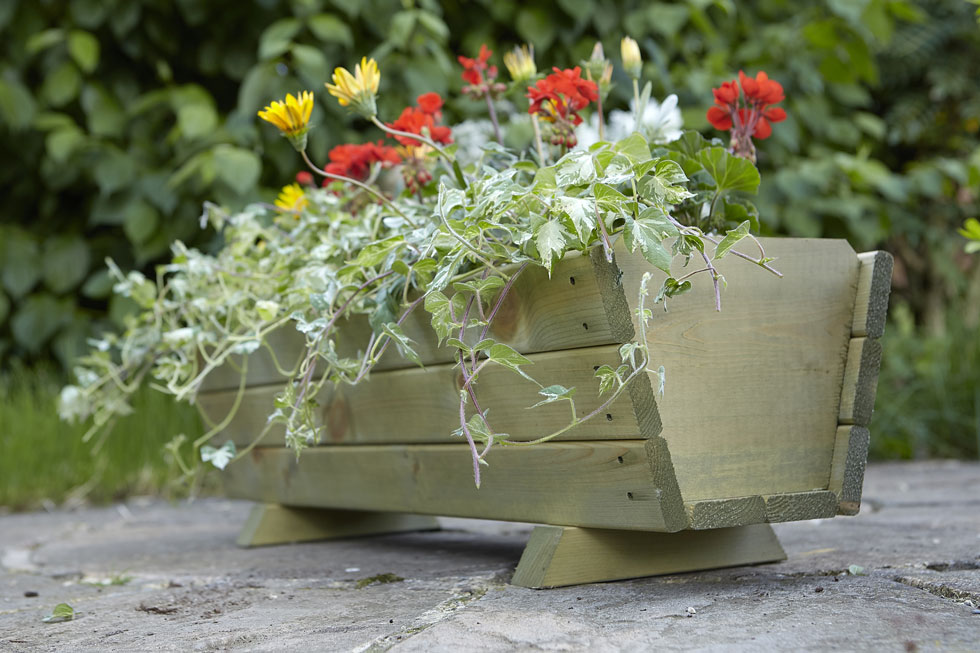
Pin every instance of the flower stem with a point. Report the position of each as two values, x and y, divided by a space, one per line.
373 191
602 122
493 119
415 137
537 138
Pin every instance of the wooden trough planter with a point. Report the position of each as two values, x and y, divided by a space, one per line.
764 419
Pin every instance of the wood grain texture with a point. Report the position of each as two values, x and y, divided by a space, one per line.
847 468
796 506
566 311
724 513
561 556
751 395
274 524
871 301
597 484
422 406
860 382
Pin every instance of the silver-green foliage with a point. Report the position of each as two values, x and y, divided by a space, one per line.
470 242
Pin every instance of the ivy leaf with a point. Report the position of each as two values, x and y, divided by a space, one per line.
607 378
648 235
554 393
61 612
402 342
581 212
375 253
730 240
437 305
509 357
550 241
218 457
575 169
730 172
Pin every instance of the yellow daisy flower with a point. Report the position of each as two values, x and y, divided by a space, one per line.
358 90
292 117
292 198
520 63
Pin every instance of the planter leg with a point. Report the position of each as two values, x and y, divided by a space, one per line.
557 556
271 523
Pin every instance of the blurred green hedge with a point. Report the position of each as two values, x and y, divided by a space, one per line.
120 117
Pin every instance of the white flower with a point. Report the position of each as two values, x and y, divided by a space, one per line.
660 123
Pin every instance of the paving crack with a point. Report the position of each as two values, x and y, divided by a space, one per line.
464 592
940 589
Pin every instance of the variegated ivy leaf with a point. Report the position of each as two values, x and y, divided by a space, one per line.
554 393
648 236
402 342
731 239
219 457
581 213
550 241
576 168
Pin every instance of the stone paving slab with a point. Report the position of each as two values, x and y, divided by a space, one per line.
147 575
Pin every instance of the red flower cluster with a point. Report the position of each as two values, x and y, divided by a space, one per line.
561 95
755 116
355 161
413 120
473 69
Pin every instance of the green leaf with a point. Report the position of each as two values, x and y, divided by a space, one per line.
437 305
218 457
16 104
550 241
536 26
61 612
140 221
575 169
65 262
103 111
634 147
607 378
330 29
509 357
731 239
61 86
648 234
38 318
237 167
62 143
555 393
311 64
114 170
196 120
84 49
277 37
856 570
581 211
44 40
730 172
402 342
20 255
377 252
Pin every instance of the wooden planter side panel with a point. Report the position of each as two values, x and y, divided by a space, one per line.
568 310
750 407
594 484
416 406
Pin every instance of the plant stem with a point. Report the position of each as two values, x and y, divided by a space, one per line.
602 122
415 137
373 191
714 278
493 119
636 104
537 138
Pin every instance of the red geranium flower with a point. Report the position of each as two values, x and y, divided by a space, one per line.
752 116
355 161
473 69
413 120
304 178
561 95
431 104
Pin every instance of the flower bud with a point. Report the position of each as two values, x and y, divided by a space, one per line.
632 61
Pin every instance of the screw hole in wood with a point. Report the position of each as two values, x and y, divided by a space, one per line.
585 326
620 460
629 495
571 280
609 417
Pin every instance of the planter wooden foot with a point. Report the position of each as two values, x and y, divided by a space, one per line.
271 523
557 556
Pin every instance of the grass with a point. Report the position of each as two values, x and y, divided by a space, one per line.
928 400
43 459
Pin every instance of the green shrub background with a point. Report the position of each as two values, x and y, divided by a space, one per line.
119 118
